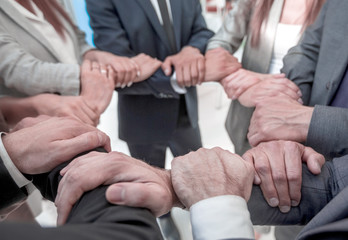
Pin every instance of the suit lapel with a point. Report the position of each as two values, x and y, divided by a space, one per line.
341 56
153 18
176 13
13 14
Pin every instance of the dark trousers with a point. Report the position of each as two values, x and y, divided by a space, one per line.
184 139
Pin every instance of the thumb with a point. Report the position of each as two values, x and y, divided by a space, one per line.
167 66
313 159
150 196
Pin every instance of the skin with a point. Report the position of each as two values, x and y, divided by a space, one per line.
278 170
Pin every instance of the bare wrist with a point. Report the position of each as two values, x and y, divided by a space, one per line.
175 200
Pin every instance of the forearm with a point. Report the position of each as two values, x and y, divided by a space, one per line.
15 109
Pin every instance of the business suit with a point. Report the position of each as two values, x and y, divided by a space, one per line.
148 111
317 65
29 65
92 217
230 36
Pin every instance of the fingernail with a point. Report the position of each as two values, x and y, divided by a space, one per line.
300 100
118 85
129 84
123 85
299 93
273 202
317 166
234 97
294 203
166 71
284 209
116 194
138 73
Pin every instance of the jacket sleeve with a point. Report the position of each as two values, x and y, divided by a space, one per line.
10 193
301 61
328 131
17 64
234 28
92 217
109 35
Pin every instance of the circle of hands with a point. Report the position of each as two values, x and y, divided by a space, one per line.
274 163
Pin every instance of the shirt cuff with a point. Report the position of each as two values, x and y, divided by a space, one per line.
16 175
175 86
222 217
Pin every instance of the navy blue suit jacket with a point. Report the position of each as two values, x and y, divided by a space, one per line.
148 111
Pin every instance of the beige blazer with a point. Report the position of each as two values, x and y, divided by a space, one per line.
230 36
28 64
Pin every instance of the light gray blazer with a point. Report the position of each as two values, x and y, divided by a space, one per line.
230 36
317 65
28 64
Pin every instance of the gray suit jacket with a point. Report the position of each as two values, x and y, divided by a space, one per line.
29 65
230 36
317 66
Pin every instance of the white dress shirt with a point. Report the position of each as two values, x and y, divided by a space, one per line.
64 48
16 175
173 80
222 217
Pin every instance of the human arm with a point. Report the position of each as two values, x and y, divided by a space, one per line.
108 28
17 64
278 170
301 61
279 119
328 130
234 28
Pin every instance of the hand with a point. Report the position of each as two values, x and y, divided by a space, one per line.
137 184
219 63
279 119
97 85
270 87
189 65
147 65
278 170
125 70
65 106
238 82
47 142
208 173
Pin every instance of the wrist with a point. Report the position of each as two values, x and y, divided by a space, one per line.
306 114
175 200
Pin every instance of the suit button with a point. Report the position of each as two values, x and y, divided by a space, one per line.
328 85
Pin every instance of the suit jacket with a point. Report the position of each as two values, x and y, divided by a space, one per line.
323 205
317 66
257 59
148 111
92 217
29 65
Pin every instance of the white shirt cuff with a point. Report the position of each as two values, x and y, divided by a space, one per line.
222 217
16 175
175 85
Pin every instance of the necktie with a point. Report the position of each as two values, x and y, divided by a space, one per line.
167 25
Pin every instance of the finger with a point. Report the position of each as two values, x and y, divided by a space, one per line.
95 67
167 66
194 74
201 70
150 196
180 76
86 66
289 84
277 164
293 164
264 171
88 141
78 162
314 160
187 75
248 156
120 71
103 70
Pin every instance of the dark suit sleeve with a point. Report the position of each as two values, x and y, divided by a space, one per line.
316 193
10 193
91 218
200 34
301 61
328 131
110 36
